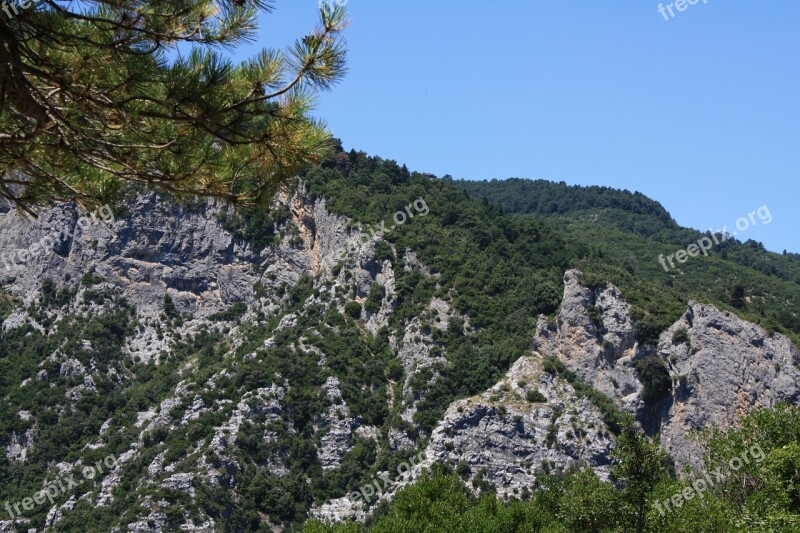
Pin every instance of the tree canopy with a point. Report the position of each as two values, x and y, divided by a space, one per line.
95 95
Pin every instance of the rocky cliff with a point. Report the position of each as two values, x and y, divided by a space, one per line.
721 367
266 374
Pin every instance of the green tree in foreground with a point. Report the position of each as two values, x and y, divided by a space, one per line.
640 469
89 100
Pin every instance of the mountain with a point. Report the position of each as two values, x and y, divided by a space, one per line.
634 229
246 371
628 211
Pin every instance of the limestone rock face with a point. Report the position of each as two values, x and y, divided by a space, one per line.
12 526
156 253
56 513
728 367
19 445
528 423
593 336
339 427
183 482
506 438
160 249
416 351
510 439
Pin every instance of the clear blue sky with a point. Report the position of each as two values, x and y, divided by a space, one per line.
701 112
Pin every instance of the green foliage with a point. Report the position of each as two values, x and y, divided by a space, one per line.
375 297
441 503
758 461
170 310
394 370
232 314
7 305
551 438
588 504
534 396
652 372
634 230
54 297
254 225
738 297
640 469
632 212
647 329
353 309
769 437
594 316
63 429
681 336
90 278
132 111
383 251
502 272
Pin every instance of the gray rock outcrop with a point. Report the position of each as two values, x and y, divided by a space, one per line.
726 369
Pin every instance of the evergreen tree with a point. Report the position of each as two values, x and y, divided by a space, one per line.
737 297
90 99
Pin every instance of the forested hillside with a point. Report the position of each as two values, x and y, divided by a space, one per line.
214 317
635 230
283 353
629 211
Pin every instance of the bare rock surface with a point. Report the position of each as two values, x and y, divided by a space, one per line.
726 369
510 438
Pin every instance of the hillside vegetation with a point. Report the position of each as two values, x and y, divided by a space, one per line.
635 230
758 493
498 271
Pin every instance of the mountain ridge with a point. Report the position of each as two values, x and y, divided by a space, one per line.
249 369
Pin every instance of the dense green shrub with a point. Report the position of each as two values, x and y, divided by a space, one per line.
534 396
681 336
376 294
255 225
353 309
383 251
647 329
653 373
